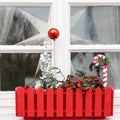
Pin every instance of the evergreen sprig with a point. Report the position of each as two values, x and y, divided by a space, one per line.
106 60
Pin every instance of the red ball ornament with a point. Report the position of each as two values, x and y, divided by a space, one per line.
53 33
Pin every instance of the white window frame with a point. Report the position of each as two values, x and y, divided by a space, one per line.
63 47
60 18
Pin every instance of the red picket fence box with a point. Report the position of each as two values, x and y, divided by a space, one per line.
31 103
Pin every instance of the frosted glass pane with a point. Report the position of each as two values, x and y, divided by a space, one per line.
80 62
95 25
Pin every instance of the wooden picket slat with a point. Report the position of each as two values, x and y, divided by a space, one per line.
79 102
98 102
88 103
50 102
30 101
69 102
40 102
20 101
59 102
108 101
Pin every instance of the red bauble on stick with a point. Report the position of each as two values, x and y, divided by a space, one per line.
53 33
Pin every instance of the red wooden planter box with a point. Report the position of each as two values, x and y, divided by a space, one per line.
31 103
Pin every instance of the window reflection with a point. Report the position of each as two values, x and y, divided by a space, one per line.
23 25
17 69
80 62
95 25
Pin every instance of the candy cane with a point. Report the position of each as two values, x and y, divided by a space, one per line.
96 59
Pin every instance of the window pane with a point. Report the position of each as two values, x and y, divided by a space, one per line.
17 69
80 62
23 25
95 25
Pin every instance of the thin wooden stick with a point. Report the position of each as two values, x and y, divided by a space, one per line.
54 57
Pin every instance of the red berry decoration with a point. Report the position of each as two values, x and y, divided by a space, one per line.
53 33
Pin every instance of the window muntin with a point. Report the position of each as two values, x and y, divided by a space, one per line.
24 25
94 25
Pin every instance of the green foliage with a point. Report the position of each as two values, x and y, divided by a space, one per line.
106 60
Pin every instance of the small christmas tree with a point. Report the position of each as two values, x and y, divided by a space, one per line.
46 78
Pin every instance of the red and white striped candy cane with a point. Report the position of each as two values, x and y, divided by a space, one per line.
96 59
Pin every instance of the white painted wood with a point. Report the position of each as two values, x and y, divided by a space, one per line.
60 42
23 49
95 2
74 48
25 2
7 95
7 103
117 101
67 37
117 109
7 110
95 48
10 117
116 116
117 93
